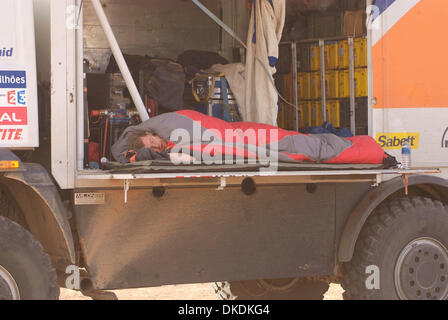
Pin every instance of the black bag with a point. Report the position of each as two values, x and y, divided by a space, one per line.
195 60
163 79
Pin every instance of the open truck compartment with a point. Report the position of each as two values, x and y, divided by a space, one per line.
322 69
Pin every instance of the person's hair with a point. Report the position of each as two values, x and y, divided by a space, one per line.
135 140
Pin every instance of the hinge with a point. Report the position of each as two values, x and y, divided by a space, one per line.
127 185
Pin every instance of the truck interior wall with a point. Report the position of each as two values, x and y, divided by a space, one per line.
156 28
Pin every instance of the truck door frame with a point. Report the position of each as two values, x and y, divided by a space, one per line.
63 93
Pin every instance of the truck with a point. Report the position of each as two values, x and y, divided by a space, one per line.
381 233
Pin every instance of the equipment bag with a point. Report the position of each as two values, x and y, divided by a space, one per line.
163 80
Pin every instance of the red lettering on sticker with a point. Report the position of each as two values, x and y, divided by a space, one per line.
18 135
12 97
11 134
13 116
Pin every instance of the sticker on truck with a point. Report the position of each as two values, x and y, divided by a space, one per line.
11 134
13 97
395 141
6 53
12 79
445 139
13 116
90 198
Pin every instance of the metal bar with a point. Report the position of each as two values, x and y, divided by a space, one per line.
370 77
352 86
121 62
314 40
80 103
100 175
218 21
295 88
322 80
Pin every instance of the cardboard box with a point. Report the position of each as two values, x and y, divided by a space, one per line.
355 23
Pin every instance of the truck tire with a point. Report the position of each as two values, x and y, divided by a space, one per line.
26 272
285 289
401 253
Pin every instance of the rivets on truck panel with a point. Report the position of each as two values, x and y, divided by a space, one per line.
158 192
311 188
248 186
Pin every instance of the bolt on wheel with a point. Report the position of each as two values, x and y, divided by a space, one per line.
421 270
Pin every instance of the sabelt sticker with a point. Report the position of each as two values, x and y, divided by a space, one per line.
12 79
13 116
394 141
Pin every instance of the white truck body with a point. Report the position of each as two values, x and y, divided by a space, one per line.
134 230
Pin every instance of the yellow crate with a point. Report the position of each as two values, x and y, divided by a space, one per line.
315 89
332 110
361 87
361 83
316 114
314 58
343 54
286 85
359 51
334 113
331 56
332 84
304 88
344 84
305 114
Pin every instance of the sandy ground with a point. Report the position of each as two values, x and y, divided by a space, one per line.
179 292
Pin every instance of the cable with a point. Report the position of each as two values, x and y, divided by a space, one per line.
106 132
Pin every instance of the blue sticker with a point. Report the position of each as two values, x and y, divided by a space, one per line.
21 97
12 79
384 4
6 52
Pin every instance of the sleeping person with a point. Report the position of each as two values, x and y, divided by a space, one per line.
188 136
148 145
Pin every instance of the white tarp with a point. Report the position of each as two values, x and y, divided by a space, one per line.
265 32
251 85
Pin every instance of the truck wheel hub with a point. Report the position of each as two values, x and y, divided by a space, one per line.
8 286
421 271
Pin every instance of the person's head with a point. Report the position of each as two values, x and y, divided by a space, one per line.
146 140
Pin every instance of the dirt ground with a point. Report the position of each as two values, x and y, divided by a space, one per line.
179 292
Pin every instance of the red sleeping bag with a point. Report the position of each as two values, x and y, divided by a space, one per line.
191 130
